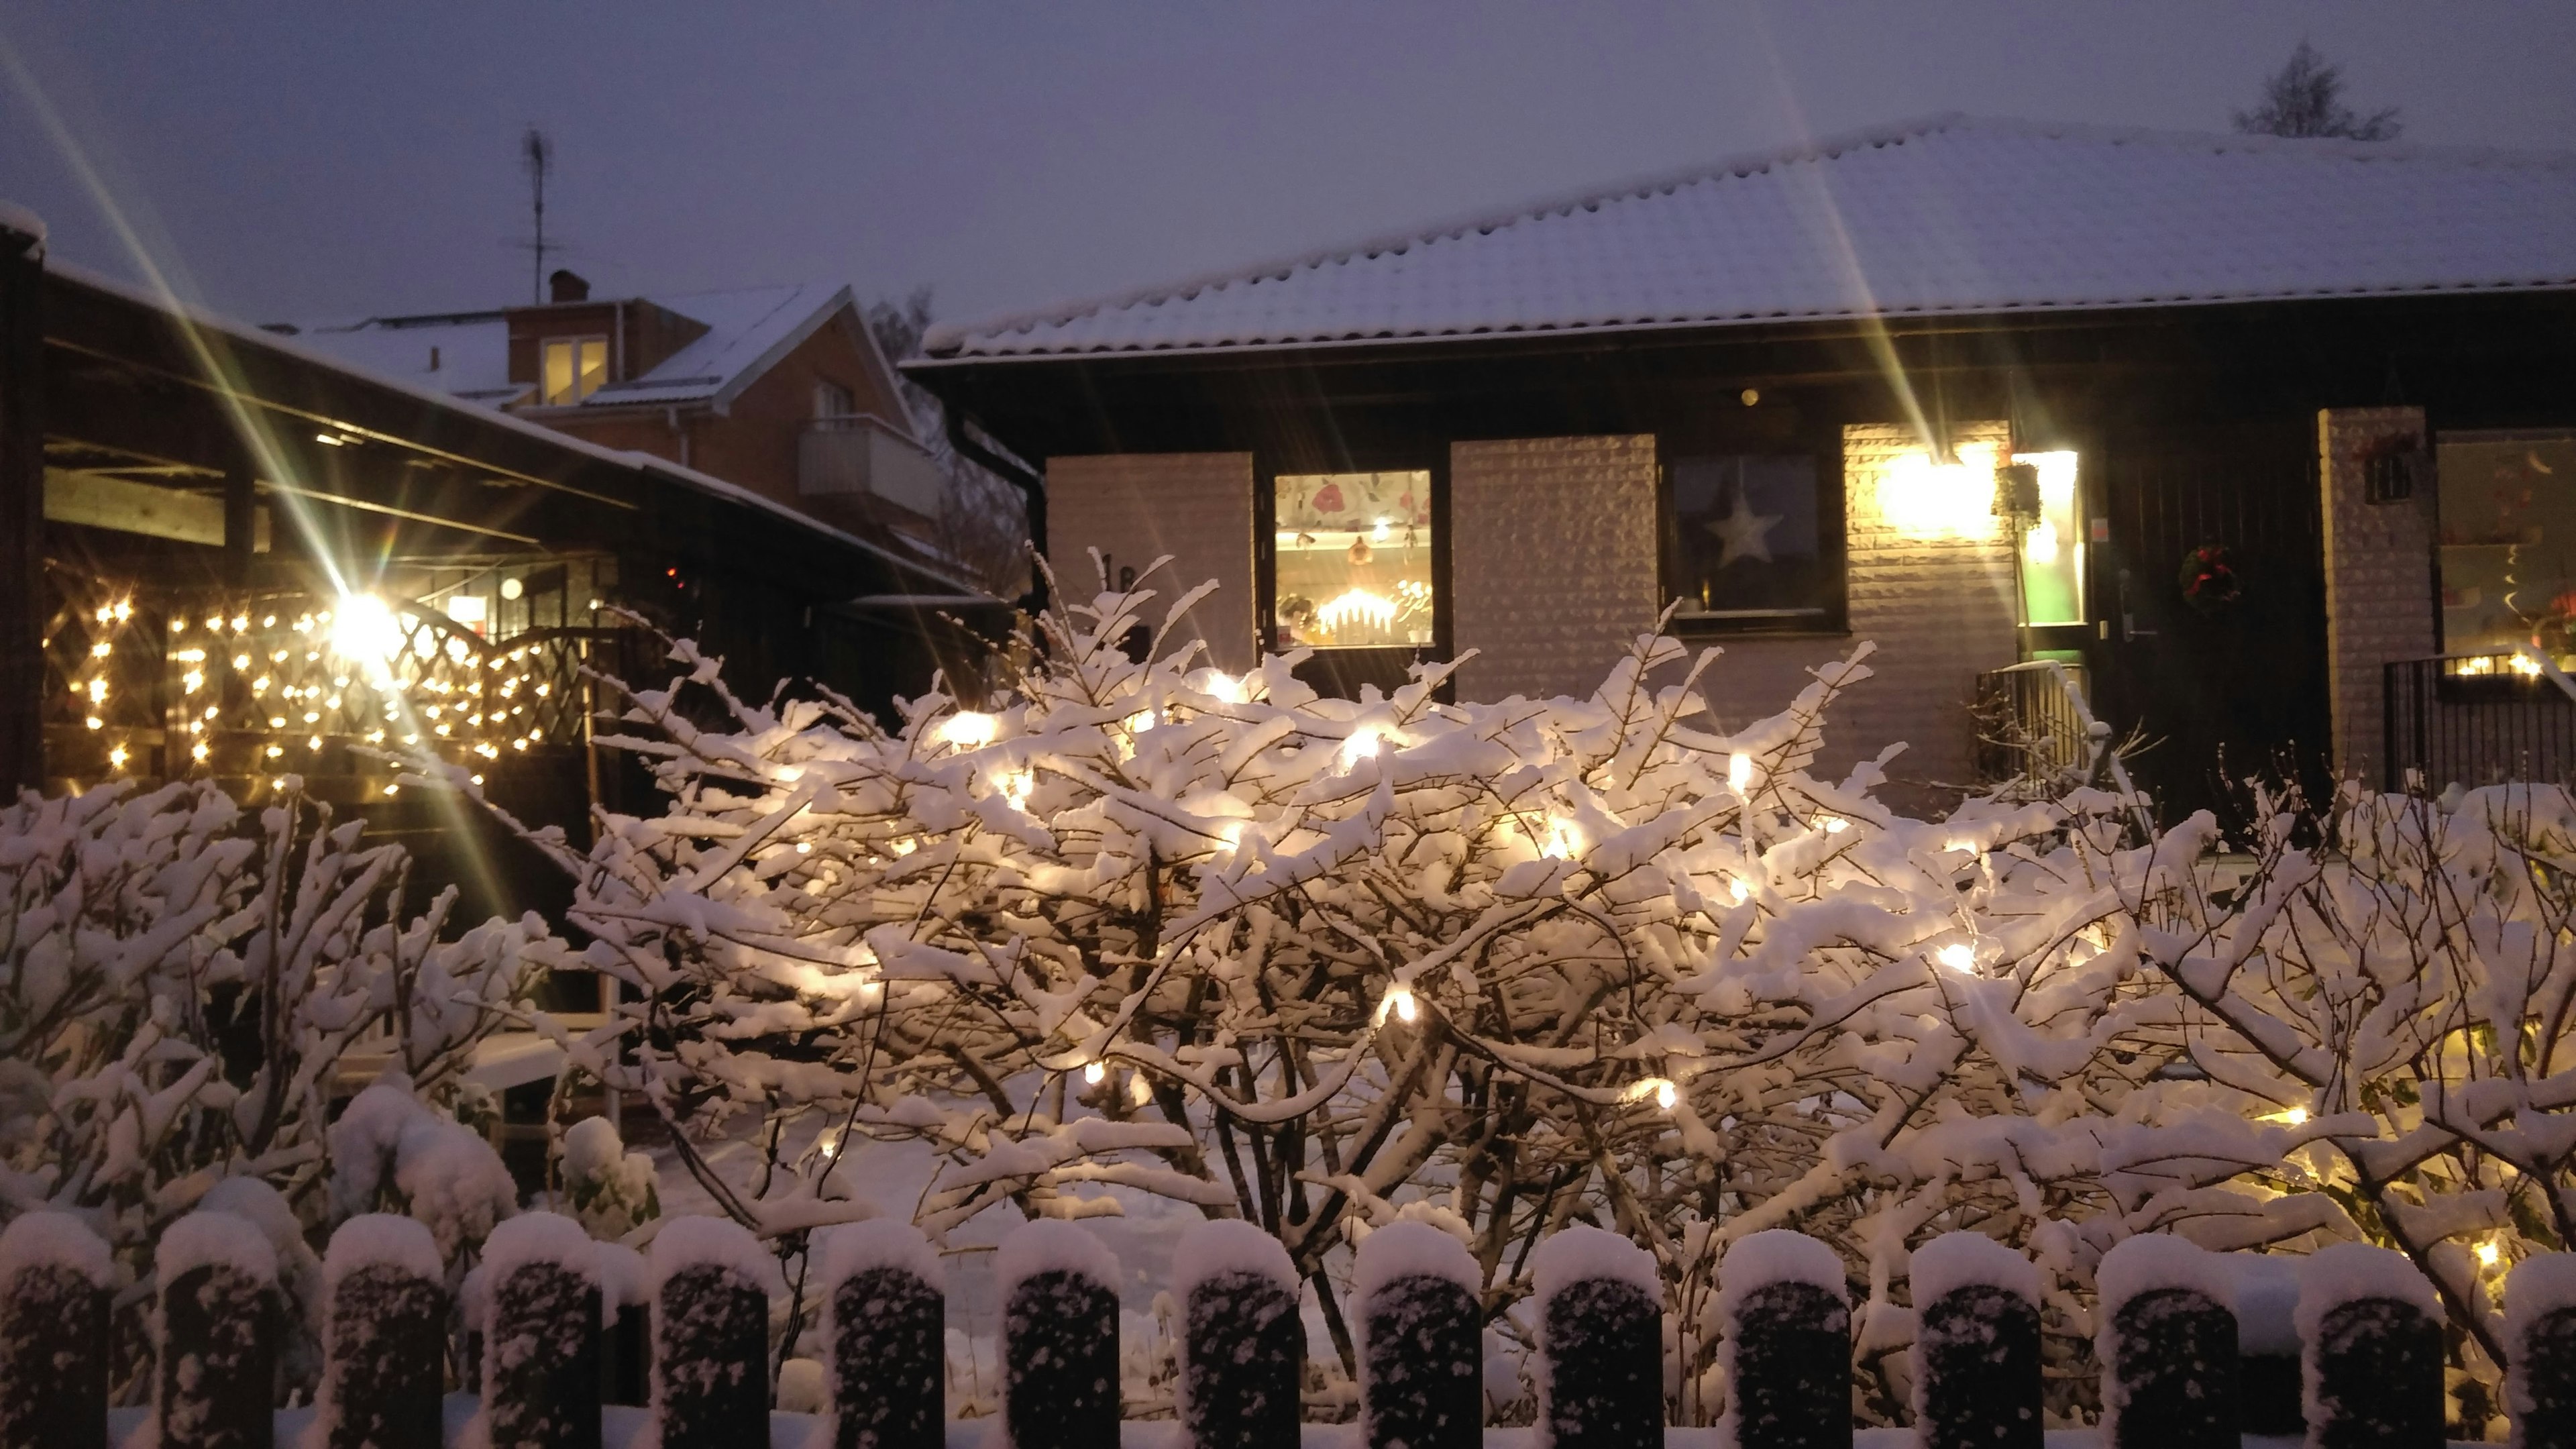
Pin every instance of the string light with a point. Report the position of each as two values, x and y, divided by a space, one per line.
1958 956
1739 772
968 730
1666 1095
1360 746
1093 1073
1399 1001
2489 1254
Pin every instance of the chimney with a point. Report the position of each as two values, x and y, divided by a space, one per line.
567 285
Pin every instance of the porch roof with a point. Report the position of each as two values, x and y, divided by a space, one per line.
1954 214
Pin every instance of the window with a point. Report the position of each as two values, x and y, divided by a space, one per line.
2052 546
1744 538
574 369
2508 541
831 400
1353 560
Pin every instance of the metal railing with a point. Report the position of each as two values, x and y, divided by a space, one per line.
2476 719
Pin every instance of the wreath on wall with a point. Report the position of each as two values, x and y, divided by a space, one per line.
2209 581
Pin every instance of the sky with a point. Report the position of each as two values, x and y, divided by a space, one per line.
291 161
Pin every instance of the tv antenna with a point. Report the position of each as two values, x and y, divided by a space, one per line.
536 157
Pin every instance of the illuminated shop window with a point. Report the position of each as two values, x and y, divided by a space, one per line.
2508 542
1353 560
575 368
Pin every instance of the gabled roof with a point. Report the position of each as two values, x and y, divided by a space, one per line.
1949 215
748 330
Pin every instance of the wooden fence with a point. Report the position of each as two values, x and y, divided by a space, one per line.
2370 1352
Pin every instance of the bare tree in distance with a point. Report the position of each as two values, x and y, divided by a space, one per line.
983 523
2305 98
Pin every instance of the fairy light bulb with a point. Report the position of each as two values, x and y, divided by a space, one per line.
968 730
1739 772
1360 746
1093 1073
1958 956
2489 1254
1397 1002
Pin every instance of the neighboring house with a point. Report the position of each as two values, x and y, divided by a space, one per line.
781 390
1977 391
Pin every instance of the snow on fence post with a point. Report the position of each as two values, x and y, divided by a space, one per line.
2167 1346
2540 1351
712 1282
384 1336
218 1359
885 1331
626 1326
2372 1326
1787 1349
54 1277
1601 1334
540 1317
1243 1347
2269 1399
1421 1340
1059 1337
1977 1379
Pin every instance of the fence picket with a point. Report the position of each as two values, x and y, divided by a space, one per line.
2168 1346
1059 1338
1243 1347
1977 1370
1421 1348
710 1334
2372 1328
384 1340
54 1276
2540 1350
541 1353
1601 1311
218 1360
1787 1323
885 1321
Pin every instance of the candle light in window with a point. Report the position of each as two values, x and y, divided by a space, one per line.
1355 606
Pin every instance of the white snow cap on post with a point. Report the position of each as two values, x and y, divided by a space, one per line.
2151 1262
1409 1250
1053 1245
538 1238
1220 1246
223 1239
2350 1272
371 1239
2539 1286
1964 1259
855 1248
1581 1253
694 1242
1775 1255
54 1240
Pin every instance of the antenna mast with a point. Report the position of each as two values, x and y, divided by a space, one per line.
536 155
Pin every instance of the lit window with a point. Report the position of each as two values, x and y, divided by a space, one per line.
1743 543
575 368
2508 549
1353 560
2052 547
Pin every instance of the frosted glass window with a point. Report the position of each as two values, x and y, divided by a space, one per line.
2052 549
1353 555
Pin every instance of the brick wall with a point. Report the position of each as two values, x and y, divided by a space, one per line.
1552 560
1133 507
2379 578
1940 610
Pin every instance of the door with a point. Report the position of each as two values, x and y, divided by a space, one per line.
2232 683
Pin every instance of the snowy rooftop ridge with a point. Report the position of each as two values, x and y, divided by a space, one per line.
1951 214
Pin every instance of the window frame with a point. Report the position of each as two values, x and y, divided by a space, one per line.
1374 664
2435 436
574 341
1815 439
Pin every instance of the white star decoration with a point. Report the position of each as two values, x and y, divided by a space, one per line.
1743 533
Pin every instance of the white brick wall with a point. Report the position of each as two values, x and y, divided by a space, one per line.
1552 560
1137 506
2379 579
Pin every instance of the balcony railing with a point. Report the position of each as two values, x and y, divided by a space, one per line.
2477 719
863 455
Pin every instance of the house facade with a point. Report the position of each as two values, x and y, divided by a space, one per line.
2245 435
780 390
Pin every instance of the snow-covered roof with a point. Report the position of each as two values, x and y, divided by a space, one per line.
748 330
1950 215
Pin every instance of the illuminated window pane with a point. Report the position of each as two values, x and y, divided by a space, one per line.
1354 559
559 374
575 367
2508 550
2052 550
594 365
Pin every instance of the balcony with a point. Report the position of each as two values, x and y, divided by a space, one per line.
861 455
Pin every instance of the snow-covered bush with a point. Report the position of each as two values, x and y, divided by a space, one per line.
611 1191
179 981
1324 964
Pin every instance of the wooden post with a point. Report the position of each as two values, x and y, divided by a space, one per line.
886 1327
1977 1381
1788 1342
2372 1328
1601 1315
217 1375
2168 1346
541 1335
384 1339
2540 1351
22 505
711 1334
1059 1338
54 1277
1421 1340
1243 1347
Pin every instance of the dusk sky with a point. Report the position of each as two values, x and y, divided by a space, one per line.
311 161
